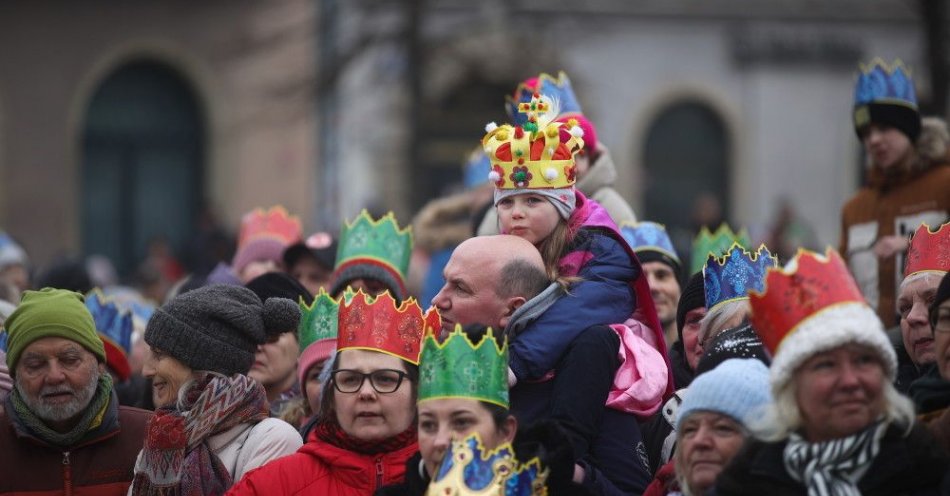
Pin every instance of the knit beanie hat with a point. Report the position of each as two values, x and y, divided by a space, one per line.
318 351
47 313
279 285
692 297
943 294
258 250
366 270
218 328
884 94
738 342
563 199
738 387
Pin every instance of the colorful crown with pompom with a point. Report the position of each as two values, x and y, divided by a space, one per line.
559 90
536 155
811 284
469 469
275 224
648 236
114 326
457 368
716 243
377 324
377 242
929 251
732 276
319 320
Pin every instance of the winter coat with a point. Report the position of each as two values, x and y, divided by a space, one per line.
895 204
322 468
100 466
245 447
597 184
911 465
415 483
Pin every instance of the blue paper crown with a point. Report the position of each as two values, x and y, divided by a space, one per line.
648 236
111 322
469 469
477 168
731 277
883 83
556 89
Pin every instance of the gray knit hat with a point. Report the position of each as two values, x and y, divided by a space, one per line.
218 327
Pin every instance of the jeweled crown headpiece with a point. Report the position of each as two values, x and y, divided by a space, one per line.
558 89
715 243
380 243
274 224
885 93
114 326
457 368
469 469
929 251
379 325
648 236
536 155
732 276
319 320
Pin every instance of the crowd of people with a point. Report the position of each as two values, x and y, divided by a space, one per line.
556 345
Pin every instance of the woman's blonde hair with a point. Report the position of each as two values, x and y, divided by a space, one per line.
714 322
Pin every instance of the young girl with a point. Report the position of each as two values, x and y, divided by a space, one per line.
534 175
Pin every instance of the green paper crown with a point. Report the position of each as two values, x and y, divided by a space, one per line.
717 244
319 320
456 368
381 241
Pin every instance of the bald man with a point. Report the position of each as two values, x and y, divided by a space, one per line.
500 281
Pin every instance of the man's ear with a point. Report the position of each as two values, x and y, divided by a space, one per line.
511 305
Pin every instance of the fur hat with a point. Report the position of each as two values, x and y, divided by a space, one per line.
218 327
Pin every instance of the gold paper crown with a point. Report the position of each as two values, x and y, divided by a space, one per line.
539 155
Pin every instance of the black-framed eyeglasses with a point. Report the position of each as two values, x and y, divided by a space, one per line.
940 319
384 381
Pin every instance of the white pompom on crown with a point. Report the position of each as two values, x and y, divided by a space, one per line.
494 176
550 174
491 126
577 132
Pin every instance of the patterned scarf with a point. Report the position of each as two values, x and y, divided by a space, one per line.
332 433
90 420
176 459
833 468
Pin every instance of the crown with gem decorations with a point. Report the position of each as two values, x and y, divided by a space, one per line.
732 276
457 368
114 326
377 324
929 251
319 320
558 89
717 243
648 236
375 242
536 155
274 224
469 469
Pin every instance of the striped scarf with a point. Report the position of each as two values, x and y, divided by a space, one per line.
176 459
833 468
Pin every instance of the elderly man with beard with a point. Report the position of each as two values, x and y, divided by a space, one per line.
63 431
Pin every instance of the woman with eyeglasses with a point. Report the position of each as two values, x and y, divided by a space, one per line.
932 392
366 429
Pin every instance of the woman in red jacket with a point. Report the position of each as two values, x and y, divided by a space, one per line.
367 428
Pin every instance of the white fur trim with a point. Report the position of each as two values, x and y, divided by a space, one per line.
829 329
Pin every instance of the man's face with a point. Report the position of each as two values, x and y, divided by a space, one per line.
311 274
57 378
665 290
886 146
913 302
469 296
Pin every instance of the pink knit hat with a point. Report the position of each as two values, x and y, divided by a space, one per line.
317 352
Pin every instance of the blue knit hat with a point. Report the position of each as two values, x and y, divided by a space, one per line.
738 388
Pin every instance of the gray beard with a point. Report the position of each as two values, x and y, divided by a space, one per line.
59 413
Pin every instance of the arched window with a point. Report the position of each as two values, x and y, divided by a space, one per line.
142 163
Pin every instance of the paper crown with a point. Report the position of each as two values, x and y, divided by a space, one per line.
469 469
929 251
457 368
319 320
380 242
537 155
274 224
812 283
732 276
377 324
559 90
880 82
648 236
115 329
476 168
715 243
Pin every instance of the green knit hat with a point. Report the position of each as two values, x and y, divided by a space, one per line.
47 313
457 368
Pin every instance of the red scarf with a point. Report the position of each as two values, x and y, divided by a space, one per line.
332 433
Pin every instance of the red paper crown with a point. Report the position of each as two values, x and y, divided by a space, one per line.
378 325
814 283
275 223
929 251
